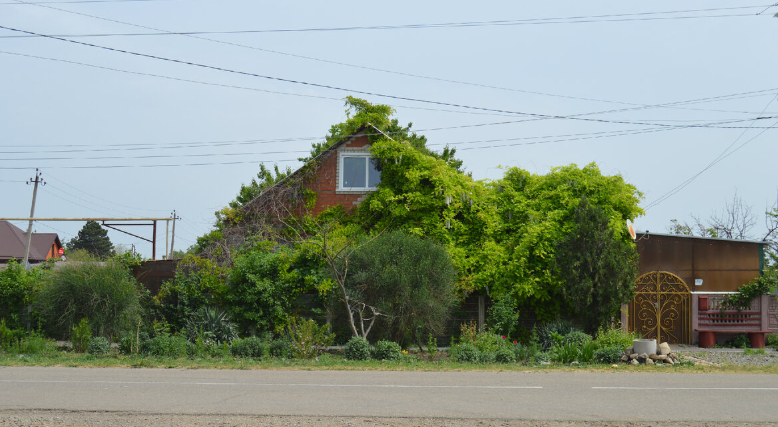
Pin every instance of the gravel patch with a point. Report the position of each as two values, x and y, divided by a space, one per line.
730 357
128 419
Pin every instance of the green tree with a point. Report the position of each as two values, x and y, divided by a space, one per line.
264 283
17 289
597 267
93 239
410 280
198 283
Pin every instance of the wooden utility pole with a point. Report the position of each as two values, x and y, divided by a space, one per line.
35 180
173 237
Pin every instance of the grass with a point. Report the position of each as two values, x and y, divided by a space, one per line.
337 362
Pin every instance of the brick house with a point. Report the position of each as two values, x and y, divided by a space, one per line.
13 241
343 175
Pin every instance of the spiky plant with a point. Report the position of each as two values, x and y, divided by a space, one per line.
211 323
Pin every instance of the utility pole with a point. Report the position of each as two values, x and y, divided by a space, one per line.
173 237
35 180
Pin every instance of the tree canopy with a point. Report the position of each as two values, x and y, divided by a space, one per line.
94 239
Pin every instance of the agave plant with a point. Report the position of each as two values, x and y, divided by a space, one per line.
211 323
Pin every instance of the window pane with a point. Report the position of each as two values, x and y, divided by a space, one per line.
373 175
354 172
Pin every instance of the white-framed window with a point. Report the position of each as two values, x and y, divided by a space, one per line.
357 172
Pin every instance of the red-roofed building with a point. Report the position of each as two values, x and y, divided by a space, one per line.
13 241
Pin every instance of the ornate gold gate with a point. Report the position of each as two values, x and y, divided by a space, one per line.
661 308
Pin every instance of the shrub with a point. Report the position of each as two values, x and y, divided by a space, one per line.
17 286
307 338
387 350
252 347
357 348
545 333
82 334
772 341
166 346
464 352
505 355
264 283
409 279
504 317
10 337
129 344
525 353
577 338
106 294
564 353
609 355
211 323
279 347
198 283
614 336
34 344
587 352
739 341
98 346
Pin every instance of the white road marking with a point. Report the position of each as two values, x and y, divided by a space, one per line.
272 384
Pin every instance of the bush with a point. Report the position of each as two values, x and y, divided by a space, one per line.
10 337
252 347
129 344
409 279
608 354
525 353
772 341
545 333
207 348
465 352
81 335
198 283
105 294
505 355
565 353
17 286
211 323
34 344
307 338
387 350
504 317
279 347
587 352
577 338
98 346
166 346
357 348
739 341
614 336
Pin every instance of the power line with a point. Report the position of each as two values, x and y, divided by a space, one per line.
348 64
82 1
724 154
102 197
331 87
624 17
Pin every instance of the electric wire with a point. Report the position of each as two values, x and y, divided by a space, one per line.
624 17
332 87
724 154
336 62
50 176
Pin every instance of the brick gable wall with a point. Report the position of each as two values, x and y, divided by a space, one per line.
325 183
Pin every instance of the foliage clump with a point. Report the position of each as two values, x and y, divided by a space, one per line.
105 293
94 239
387 350
252 347
98 346
357 348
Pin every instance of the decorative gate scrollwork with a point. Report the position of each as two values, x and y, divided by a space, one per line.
661 308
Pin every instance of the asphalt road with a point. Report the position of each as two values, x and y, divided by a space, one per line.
477 395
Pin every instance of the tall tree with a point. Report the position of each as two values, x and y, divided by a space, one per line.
94 239
598 268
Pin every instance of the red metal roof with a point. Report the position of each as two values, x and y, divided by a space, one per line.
13 241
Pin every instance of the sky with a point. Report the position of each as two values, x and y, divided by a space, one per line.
125 119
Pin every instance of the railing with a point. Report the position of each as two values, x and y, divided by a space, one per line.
707 313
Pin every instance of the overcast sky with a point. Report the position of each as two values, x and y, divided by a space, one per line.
659 92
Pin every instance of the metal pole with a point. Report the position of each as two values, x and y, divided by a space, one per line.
167 235
32 215
154 242
173 237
